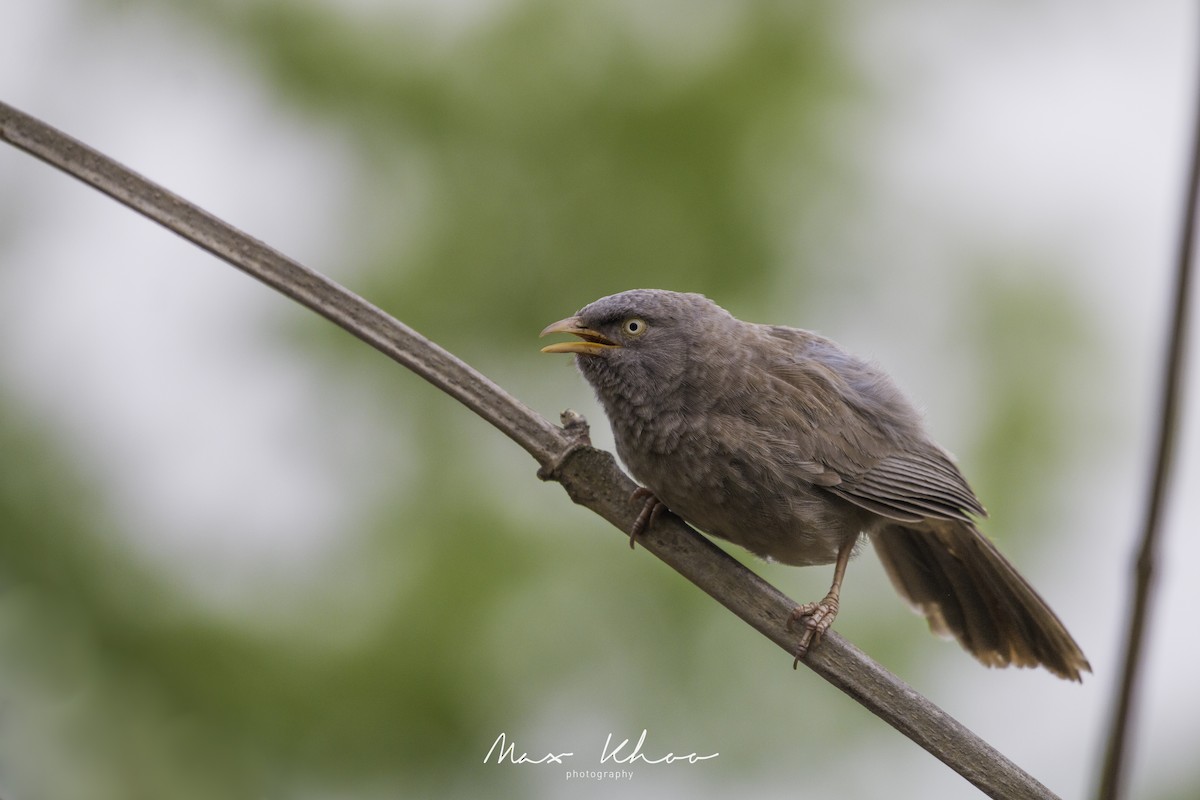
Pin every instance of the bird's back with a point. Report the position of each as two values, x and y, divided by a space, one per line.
755 443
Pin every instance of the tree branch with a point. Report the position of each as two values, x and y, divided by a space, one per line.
1112 779
591 477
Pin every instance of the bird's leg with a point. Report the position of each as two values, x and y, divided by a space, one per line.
650 511
819 616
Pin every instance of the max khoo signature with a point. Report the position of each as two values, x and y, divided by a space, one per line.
611 753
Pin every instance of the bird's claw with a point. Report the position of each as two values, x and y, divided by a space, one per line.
817 617
651 508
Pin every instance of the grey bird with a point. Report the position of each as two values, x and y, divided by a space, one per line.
778 440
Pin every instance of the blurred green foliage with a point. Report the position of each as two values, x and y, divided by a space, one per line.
560 151
535 159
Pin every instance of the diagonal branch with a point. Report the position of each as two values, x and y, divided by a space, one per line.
591 477
1113 777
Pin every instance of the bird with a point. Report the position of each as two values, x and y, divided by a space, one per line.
780 441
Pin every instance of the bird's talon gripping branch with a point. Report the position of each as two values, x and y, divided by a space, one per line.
816 618
651 508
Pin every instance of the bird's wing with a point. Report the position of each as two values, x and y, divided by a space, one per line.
910 488
862 440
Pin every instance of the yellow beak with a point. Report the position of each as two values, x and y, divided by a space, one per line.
592 342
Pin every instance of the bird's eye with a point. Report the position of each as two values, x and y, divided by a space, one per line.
634 326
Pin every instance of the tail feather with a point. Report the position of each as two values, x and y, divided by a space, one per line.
967 589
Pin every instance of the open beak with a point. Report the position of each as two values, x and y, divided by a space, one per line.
592 343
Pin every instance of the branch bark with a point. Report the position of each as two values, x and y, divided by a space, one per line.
591 477
1113 775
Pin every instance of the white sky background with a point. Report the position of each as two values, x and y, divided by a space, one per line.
118 331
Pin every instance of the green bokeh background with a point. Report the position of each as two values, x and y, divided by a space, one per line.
540 157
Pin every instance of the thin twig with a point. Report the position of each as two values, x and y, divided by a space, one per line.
591 477
1113 775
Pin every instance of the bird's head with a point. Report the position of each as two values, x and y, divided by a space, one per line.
637 344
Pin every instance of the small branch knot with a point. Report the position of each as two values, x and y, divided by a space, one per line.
575 426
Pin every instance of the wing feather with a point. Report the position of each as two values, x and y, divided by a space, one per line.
863 437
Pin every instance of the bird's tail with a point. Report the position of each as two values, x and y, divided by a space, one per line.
957 578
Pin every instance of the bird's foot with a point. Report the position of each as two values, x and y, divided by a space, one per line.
816 618
651 508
